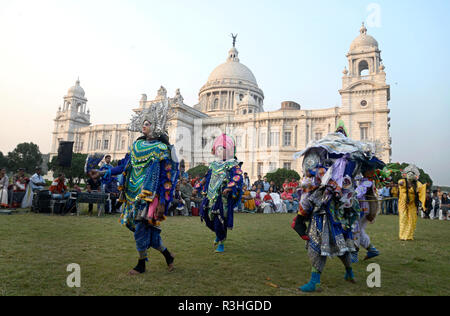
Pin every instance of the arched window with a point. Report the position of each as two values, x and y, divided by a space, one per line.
244 112
363 68
216 104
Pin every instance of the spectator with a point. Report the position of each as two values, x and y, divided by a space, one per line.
274 187
183 173
266 185
246 180
445 205
268 205
186 194
258 183
107 163
196 200
394 195
37 182
59 188
258 200
112 189
436 205
249 201
19 189
385 195
4 183
59 191
288 200
93 185
428 205
286 186
293 185
177 205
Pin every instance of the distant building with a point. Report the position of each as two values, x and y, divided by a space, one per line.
231 101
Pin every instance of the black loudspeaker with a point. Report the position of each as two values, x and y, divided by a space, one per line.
65 150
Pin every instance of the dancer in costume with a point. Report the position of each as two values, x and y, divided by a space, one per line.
329 200
222 190
150 172
412 195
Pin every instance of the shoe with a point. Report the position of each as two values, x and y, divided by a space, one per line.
372 253
312 285
220 248
349 276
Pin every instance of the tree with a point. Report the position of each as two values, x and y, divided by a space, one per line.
75 173
282 174
199 171
3 161
397 174
25 155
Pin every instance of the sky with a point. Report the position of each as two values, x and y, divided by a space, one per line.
296 50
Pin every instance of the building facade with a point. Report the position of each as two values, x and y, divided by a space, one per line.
232 102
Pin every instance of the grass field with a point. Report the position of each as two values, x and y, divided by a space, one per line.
36 249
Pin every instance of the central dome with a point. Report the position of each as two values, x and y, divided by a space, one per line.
232 69
226 88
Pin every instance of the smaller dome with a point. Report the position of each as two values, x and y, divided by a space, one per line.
363 40
76 90
248 100
290 105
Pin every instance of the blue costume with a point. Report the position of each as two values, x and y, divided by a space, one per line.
148 180
217 210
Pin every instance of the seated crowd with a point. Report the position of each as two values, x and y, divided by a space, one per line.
260 197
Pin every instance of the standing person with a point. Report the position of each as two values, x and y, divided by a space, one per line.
394 195
412 195
183 173
385 194
436 205
37 182
428 205
266 185
246 180
259 182
445 205
222 191
150 173
4 183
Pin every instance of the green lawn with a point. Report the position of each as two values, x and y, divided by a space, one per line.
36 249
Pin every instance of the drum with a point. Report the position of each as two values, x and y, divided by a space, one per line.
41 202
92 198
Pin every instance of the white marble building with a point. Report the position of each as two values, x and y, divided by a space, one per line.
231 101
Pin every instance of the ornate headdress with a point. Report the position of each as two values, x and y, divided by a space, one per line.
411 172
226 142
158 114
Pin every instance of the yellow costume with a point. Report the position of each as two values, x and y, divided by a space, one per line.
248 204
407 212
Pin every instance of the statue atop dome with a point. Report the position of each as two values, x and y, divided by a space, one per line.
234 39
